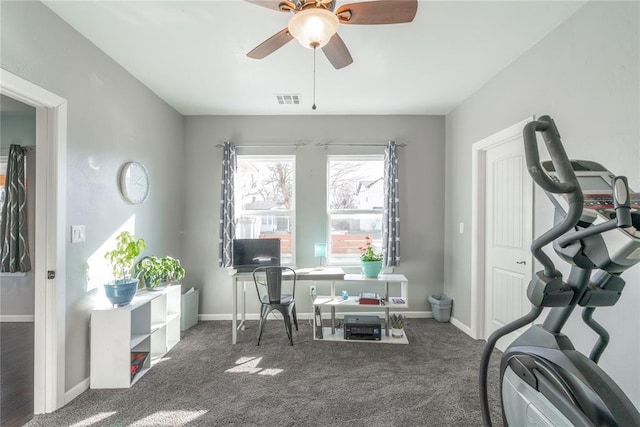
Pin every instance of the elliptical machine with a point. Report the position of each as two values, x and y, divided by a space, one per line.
544 381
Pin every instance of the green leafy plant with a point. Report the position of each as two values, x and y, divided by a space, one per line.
155 270
128 248
397 321
367 253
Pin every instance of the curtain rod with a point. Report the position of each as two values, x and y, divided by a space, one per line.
346 144
295 144
319 144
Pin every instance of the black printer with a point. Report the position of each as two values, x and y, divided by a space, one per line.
362 328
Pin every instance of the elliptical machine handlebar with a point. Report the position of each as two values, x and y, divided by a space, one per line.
568 185
551 136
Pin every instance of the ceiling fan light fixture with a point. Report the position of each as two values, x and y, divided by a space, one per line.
313 28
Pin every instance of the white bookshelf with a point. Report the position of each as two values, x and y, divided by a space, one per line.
150 323
352 305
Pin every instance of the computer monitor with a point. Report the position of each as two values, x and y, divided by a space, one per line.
251 253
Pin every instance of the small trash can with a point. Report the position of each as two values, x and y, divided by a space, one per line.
189 309
441 307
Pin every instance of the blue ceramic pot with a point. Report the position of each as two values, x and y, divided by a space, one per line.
371 269
121 292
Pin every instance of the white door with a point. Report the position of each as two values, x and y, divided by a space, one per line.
508 231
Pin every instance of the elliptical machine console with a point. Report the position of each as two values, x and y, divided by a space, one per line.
544 380
614 250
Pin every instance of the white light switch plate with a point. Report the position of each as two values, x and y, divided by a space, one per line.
77 233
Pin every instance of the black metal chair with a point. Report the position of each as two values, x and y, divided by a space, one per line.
272 296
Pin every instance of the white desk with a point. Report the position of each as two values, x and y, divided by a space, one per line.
323 275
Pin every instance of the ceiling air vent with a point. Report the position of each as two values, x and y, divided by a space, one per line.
288 99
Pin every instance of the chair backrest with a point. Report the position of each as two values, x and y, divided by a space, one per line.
271 279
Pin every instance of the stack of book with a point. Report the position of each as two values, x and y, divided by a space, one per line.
137 361
370 298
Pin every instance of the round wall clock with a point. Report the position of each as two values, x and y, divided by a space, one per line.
134 182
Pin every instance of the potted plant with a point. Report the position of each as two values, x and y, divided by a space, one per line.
370 261
123 288
156 273
397 325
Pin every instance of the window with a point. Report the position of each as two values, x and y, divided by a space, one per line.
355 204
265 201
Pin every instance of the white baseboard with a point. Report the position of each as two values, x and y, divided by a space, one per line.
207 317
464 328
17 318
77 390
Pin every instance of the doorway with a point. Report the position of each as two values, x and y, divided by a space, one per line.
17 293
49 247
502 222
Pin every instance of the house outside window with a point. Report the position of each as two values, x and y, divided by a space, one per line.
265 201
355 204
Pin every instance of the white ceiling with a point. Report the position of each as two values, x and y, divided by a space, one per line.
193 54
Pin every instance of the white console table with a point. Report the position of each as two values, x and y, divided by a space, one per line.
391 302
150 323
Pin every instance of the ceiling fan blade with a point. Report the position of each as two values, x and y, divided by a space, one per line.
269 4
337 53
271 44
378 12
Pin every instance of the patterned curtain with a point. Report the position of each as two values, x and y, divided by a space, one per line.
227 205
14 252
391 215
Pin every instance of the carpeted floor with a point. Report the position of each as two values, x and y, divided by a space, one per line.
206 381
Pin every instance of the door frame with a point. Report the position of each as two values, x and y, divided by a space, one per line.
478 205
50 199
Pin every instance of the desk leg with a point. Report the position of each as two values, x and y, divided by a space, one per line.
234 317
244 304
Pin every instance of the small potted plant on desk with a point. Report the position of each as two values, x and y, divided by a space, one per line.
157 273
121 291
397 325
370 261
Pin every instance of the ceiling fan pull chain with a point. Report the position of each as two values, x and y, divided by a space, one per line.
315 47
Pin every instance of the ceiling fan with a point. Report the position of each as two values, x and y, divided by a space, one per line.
315 24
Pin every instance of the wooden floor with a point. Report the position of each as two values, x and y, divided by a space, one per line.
16 373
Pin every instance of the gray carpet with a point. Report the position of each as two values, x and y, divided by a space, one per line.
206 381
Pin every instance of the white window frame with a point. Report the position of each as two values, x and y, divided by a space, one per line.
266 212
330 212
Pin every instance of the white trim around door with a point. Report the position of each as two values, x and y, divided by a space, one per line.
49 266
478 170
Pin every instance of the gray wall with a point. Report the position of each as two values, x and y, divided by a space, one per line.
585 75
17 291
421 190
112 119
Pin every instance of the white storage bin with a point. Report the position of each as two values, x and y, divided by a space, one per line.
190 299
